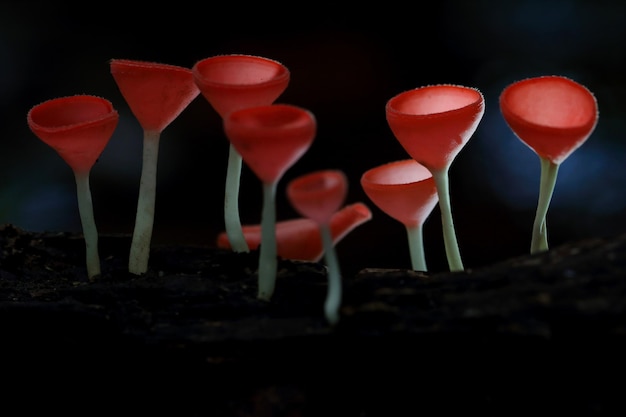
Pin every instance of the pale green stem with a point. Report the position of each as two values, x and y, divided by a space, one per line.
144 221
268 262
333 296
90 232
232 221
549 171
416 247
449 236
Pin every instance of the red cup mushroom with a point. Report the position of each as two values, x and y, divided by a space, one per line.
406 191
318 196
553 116
156 94
78 128
270 139
433 124
299 239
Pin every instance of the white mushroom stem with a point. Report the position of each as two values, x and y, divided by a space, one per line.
268 262
416 247
144 221
333 296
90 232
232 221
449 235
549 171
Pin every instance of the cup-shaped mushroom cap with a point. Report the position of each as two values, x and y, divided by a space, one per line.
234 82
156 93
405 190
271 138
318 195
300 238
552 115
78 127
433 123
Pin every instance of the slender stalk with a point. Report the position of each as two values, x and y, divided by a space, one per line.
333 297
144 221
549 171
416 247
90 232
232 220
449 237
268 262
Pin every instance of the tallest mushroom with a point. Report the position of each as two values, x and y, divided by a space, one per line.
156 94
230 83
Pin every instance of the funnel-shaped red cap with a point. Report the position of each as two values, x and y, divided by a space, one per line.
318 195
156 93
77 127
433 123
300 238
270 139
405 190
552 115
234 82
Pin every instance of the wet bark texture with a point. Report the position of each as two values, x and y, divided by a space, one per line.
536 334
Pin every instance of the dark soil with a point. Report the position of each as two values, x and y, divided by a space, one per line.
542 334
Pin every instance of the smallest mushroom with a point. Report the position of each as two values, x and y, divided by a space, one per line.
317 196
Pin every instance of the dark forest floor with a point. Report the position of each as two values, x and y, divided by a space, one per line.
541 334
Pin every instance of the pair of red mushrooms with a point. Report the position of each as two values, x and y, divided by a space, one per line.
553 115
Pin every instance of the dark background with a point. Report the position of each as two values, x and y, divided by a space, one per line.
345 63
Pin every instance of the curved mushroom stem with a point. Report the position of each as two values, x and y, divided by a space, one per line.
144 221
268 262
333 297
449 237
232 221
90 232
549 171
416 247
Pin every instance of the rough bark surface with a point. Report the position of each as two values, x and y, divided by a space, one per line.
536 334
